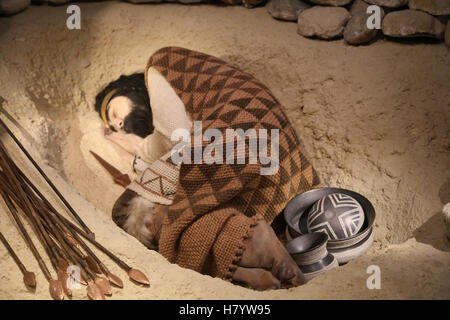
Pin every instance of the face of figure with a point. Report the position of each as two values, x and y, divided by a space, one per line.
118 109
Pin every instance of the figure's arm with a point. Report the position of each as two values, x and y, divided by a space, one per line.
126 141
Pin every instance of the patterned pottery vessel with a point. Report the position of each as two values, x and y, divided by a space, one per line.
311 255
296 217
337 214
344 255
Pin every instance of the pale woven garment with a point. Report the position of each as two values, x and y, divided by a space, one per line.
156 182
157 175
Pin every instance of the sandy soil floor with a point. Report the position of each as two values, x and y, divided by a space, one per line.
374 119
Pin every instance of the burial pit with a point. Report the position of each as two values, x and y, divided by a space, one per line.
374 119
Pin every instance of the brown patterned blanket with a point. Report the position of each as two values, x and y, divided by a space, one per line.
216 205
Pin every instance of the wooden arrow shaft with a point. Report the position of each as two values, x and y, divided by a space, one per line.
50 183
72 227
27 207
62 223
13 254
25 234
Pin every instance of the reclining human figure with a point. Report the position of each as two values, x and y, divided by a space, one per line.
218 221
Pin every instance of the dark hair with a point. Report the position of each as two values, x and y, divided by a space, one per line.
139 121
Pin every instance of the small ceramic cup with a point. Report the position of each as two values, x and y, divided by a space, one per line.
310 253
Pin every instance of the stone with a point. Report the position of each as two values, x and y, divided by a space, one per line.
286 9
446 214
435 7
411 23
389 3
356 31
252 3
335 3
145 1
231 2
447 34
322 22
9 7
58 2
358 6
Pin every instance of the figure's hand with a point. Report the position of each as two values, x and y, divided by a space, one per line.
109 134
113 136
265 263
107 131
125 142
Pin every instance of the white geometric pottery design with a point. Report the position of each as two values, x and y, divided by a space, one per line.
337 214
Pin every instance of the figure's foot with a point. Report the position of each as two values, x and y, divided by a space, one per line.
265 263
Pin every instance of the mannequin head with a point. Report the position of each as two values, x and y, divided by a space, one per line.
126 105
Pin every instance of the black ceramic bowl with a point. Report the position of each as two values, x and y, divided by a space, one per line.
295 215
311 255
344 255
308 248
339 215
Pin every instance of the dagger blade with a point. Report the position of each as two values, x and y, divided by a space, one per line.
115 173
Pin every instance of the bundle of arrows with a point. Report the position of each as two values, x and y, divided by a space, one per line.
61 239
